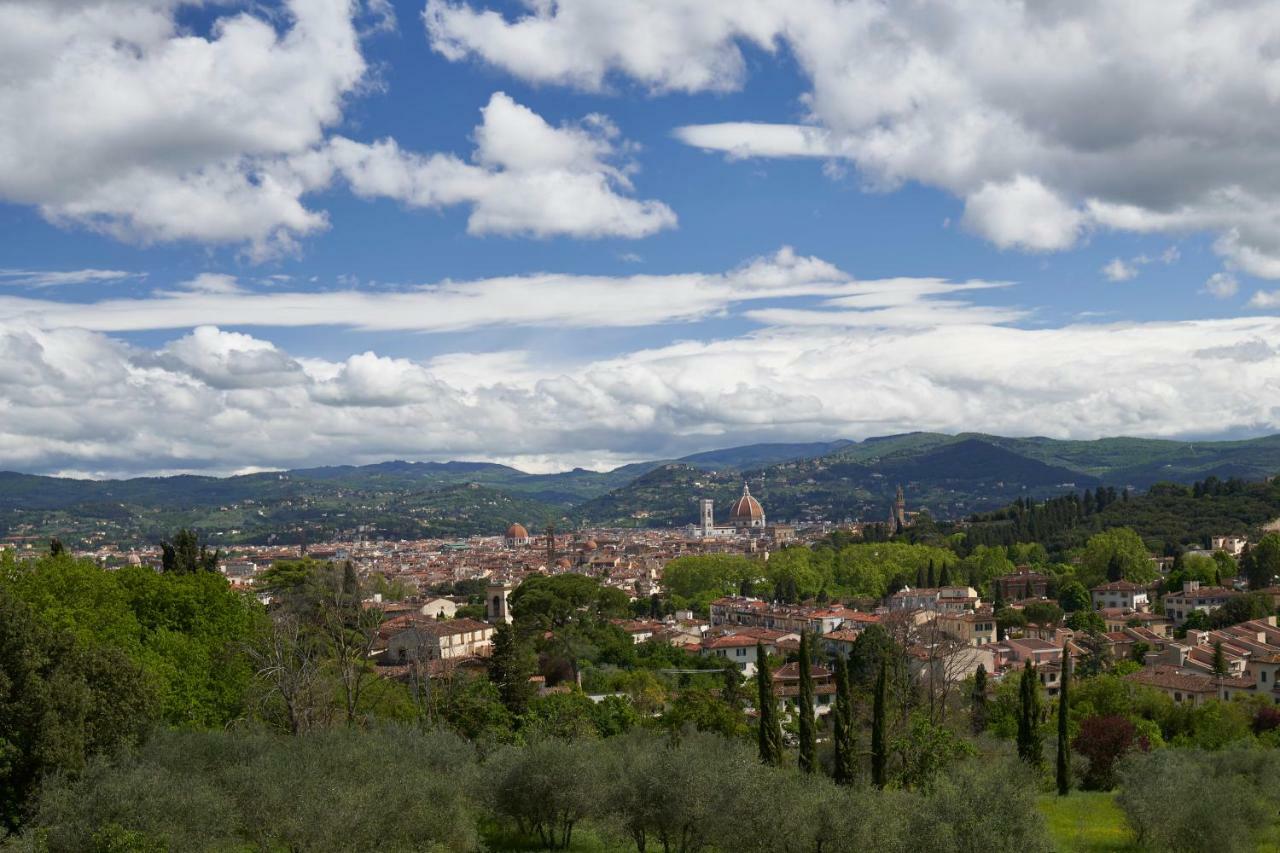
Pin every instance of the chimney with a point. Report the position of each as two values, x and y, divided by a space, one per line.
1189 587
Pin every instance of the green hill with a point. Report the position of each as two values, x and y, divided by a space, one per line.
949 475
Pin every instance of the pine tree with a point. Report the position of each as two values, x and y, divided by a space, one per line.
1030 749
845 752
770 733
56 548
879 739
808 732
978 703
1064 745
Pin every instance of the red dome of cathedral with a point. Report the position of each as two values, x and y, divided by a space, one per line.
516 531
746 511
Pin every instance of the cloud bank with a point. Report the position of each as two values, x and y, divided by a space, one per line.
824 355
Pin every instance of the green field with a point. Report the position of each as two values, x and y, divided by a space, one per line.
1086 822
1090 822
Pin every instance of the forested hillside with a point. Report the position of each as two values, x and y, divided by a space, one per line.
951 477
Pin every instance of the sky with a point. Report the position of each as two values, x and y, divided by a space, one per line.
552 233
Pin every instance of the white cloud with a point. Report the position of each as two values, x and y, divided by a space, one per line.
536 300
1147 116
1022 213
57 278
528 178
686 46
1222 285
752 139
1118 270
123 122
233 401
116 118
1265 299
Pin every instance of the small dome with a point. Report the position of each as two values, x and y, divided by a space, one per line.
517 531
590 545
564 563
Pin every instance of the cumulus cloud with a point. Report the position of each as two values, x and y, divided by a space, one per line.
1118 270
1022 213
1222 285
121 121
528 177
117 118
1046 119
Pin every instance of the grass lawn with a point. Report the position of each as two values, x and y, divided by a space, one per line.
1086 822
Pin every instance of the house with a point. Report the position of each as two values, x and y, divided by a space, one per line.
945 663
1023 583
421 638
1037 652
439 608
951 599
739 647
736 610
1118 619
840 642
1121 594
1233 545
786 687
1183 685
1251 651
639 630
973 628
1179 605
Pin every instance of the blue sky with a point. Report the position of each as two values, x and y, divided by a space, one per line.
336 164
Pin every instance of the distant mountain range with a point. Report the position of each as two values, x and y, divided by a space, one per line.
950 475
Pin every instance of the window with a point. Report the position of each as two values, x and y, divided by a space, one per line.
742 653
1263 675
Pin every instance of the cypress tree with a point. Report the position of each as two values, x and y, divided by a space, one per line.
350 580
978 712
509 670
933 580
845 756
879 741
56 548
944 578
1030 749
1064 747
808 734
770 733
921 578
1219 660
1115 568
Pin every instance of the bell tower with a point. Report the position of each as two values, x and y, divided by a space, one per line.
497 602
708 516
